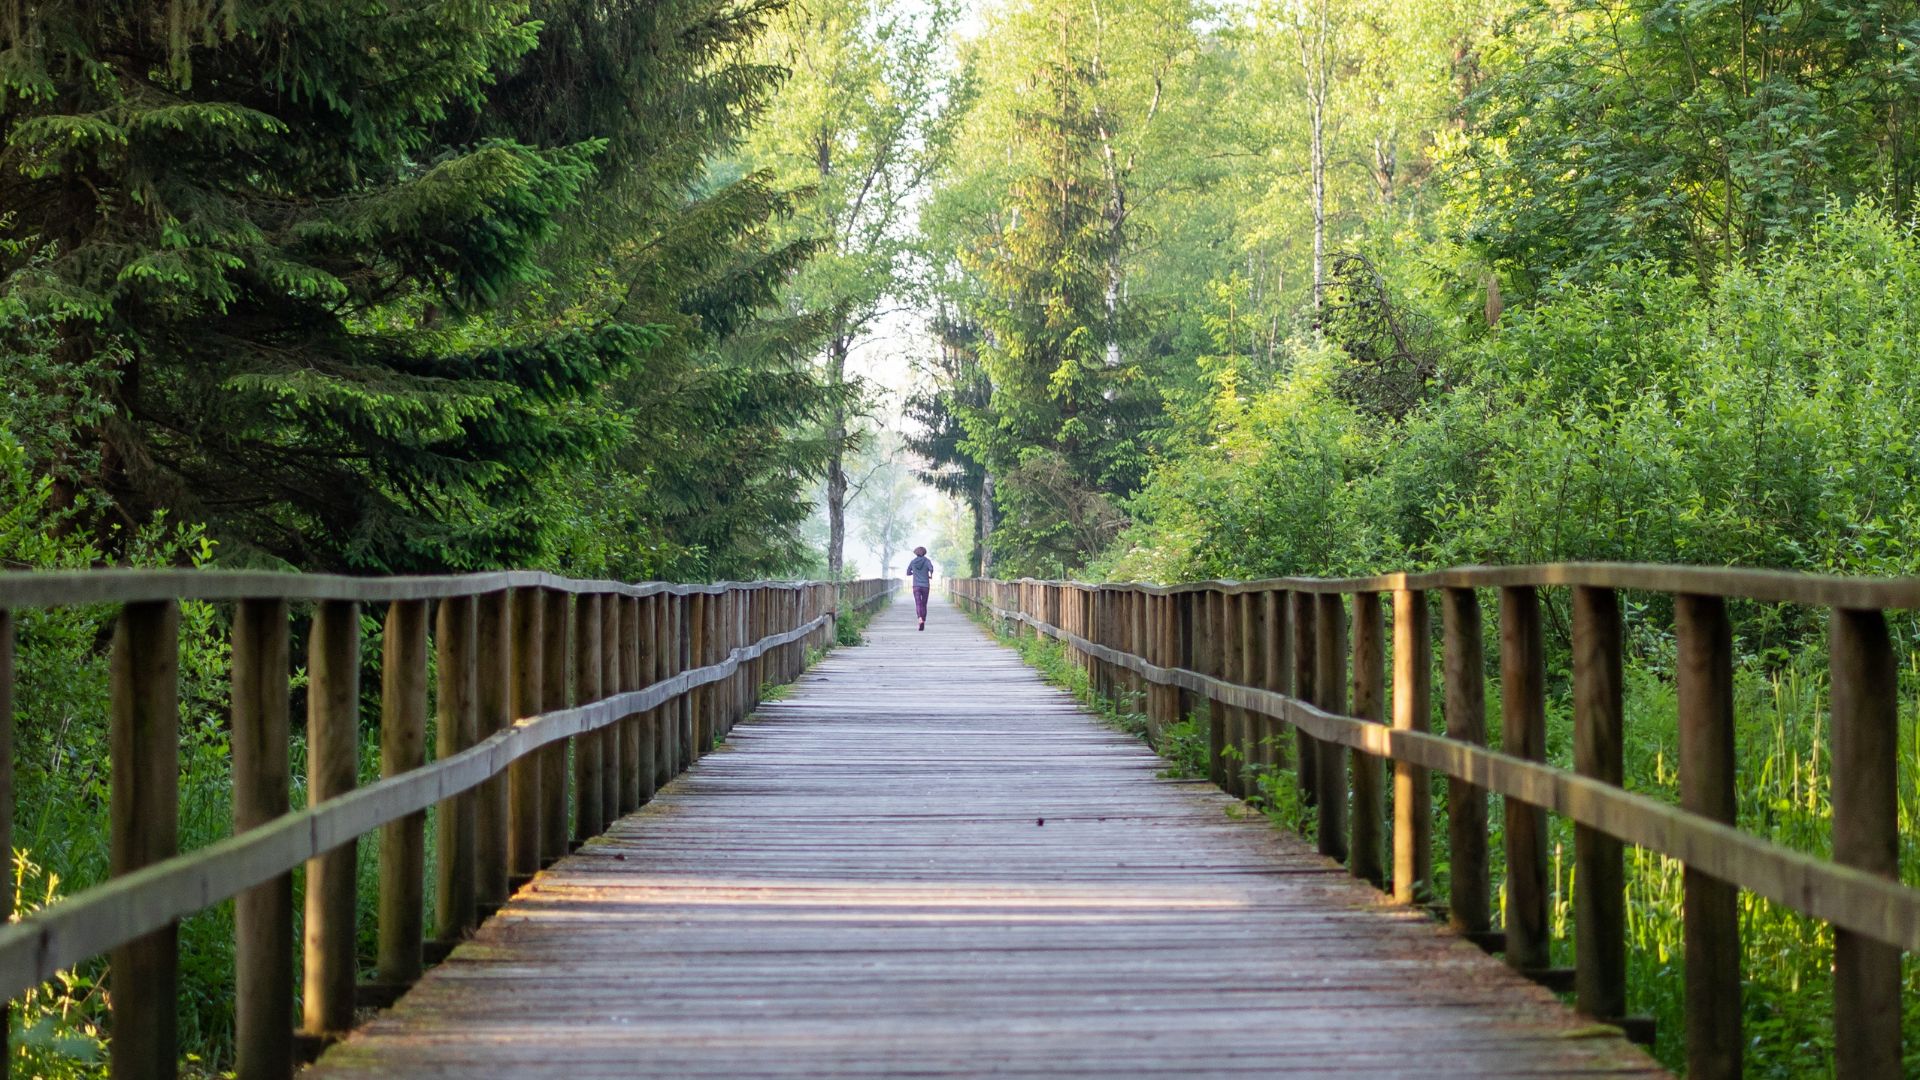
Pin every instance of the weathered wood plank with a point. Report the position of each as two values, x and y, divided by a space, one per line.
925 862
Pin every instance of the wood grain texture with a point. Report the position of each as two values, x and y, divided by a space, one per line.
925 862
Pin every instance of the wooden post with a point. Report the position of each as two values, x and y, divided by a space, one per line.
1470 905
493 675
666 720
680 714
556 663
1704 677
587 647
1330 685
333 766
1163 702
1135 636
1306 755
1239 721
733 610
456 889
262 781
403 748
1866 755
523 776
636 740
144 747
1209 624
1254 630
1412 711
1366 859
1523 732
699 647
612 683
1277 667
1599 874
1188 625
687 659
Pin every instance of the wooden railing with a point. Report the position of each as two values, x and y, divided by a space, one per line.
632 682
1311 655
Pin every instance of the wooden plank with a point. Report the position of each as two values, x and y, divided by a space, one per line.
35 589
1768 586
144 814
493 674
262 783
863 886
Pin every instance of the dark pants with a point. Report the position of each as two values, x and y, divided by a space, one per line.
920 600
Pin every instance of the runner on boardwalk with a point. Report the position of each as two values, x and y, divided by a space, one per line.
921 571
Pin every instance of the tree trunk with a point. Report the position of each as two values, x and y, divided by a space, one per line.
1317 69
837 462
1386 165
983 528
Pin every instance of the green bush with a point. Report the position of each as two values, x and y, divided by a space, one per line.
1763 420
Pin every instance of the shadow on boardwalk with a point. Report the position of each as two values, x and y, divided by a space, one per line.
862 885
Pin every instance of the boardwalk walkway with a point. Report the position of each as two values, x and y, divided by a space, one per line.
925 862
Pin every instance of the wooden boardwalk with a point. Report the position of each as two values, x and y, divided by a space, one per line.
926 862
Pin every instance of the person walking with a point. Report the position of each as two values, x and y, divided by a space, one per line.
921 571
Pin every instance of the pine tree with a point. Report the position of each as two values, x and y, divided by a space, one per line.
1059 434
247 207
712 475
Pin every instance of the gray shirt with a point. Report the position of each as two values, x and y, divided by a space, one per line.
921 571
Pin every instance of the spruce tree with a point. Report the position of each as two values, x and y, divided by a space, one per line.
1059 433
247 208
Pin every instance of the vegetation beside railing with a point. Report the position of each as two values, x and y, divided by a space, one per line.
1776 745
653 674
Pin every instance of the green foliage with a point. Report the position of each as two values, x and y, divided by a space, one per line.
1759 421
1039 233
718 418
1689 134
216 208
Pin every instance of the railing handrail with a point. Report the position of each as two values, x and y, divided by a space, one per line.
70 588
1766 586
658 673
95 920
1279 651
